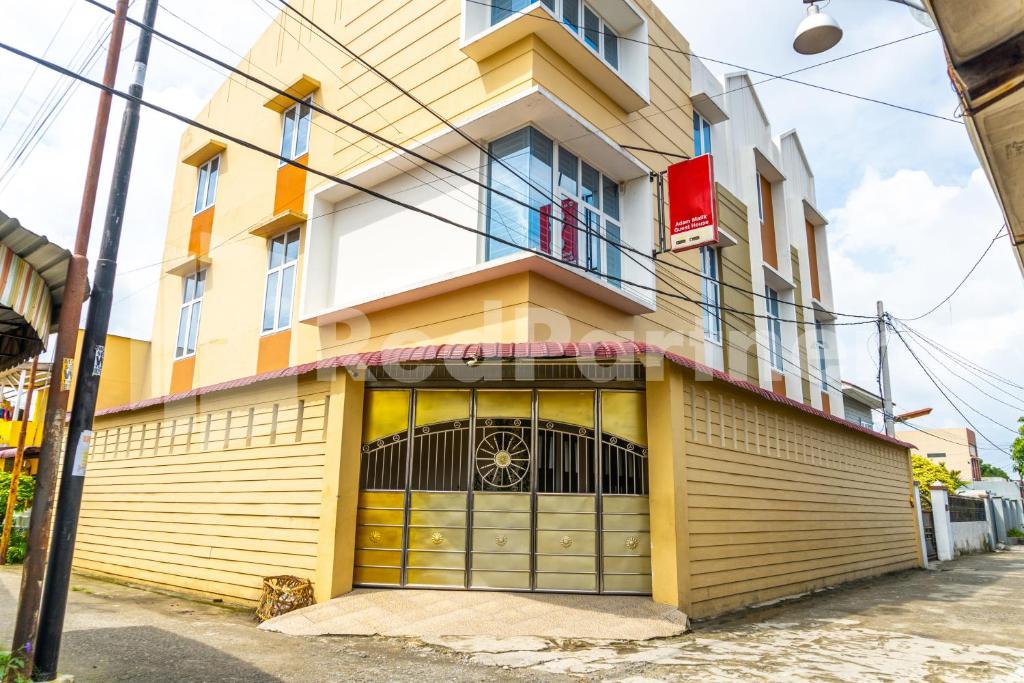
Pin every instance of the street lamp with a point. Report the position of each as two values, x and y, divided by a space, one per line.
819 32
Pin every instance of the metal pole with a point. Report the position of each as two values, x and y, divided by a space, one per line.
12 493
25 623
883 360
58 572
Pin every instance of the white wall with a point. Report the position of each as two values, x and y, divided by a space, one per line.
970 537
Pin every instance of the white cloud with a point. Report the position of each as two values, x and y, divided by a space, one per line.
909 241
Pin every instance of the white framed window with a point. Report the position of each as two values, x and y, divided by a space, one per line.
760 199
774 329
282 262
295 129
206 189
188 319
582 226
701 135
711 292
579 18
819 334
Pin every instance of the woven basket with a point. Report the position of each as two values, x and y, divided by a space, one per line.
282 594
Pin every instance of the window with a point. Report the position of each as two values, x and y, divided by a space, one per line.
206 190
774 329
188 319
701 135
760 199
295 130
819 334
277 303
578 17
711 294
936 455
573 210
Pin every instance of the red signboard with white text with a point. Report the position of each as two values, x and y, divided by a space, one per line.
692 221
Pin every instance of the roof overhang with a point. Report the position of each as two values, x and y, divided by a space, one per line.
534 106
32 278
861 395
505 352
984 42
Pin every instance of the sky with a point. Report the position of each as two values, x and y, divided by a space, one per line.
909 209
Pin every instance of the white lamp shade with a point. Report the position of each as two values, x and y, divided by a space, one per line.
817 33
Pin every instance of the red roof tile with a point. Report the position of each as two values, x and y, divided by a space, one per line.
495 351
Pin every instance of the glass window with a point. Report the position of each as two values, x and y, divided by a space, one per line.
571 14
522 172
591 29
188 319
701 135
206 190
295 129
282 261
581 226
611 47
774 329
711 294
819 334
760 199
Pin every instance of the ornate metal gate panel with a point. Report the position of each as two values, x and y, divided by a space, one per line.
504 490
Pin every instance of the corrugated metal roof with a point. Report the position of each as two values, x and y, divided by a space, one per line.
45 257
34 289
490 351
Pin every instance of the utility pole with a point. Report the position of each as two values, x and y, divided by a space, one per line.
26 622
883 361
19 457
58 571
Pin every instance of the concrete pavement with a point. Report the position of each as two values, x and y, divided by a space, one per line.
960 623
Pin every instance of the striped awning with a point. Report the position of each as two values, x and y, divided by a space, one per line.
32 276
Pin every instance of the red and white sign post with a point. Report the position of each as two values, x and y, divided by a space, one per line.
692 221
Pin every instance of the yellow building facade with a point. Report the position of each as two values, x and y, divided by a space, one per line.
437 351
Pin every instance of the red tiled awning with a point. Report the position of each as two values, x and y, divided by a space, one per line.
462 352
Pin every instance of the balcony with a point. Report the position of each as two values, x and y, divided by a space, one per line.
367 254
585 42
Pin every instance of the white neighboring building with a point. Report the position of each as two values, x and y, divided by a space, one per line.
787 237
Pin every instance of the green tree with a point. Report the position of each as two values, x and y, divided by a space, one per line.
1017 450
926 472
26 487
993 471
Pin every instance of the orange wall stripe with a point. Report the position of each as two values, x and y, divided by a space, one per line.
199 237
290 192
768 245
274 351
182 373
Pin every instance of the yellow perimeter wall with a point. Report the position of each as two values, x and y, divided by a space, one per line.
781 502
208 498
768 500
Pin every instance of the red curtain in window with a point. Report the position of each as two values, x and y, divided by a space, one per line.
545 228
569 230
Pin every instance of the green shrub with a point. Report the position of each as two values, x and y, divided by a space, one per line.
926 472
1015 533
26 487
11 668
18 547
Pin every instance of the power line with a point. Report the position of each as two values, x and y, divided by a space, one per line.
960 359
965 278
341 181
938 386
771 76
620 245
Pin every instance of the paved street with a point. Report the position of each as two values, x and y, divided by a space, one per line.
960 623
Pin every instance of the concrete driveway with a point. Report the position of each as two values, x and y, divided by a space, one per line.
960 623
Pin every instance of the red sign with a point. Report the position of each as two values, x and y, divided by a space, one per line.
692 221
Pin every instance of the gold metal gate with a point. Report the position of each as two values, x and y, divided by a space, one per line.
542 490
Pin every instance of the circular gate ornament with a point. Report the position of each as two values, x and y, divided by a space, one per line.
632 543
500 540
565 541
375 537
437 538
502 459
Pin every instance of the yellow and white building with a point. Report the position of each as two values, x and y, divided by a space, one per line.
344 388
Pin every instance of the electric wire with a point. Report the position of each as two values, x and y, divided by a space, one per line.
965 278
960 359
942 391
751 70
